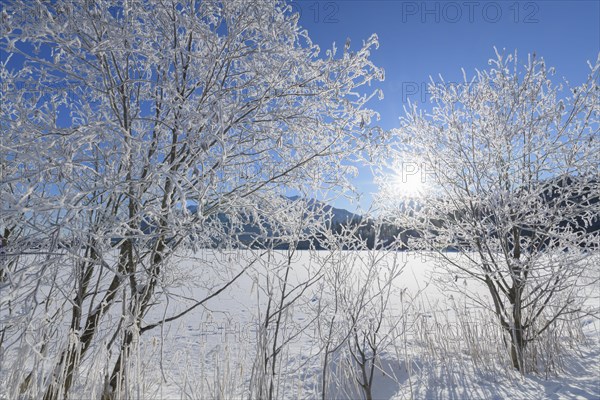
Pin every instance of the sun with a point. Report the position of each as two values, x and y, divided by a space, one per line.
408 185
408 181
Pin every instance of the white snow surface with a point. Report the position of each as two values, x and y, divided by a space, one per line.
209 352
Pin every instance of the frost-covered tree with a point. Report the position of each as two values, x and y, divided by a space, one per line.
511 165
132 129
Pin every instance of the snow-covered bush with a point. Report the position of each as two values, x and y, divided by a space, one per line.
511 165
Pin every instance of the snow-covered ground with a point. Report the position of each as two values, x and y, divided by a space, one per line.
433 343
444 347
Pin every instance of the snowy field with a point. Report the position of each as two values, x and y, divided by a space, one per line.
443 345
430 343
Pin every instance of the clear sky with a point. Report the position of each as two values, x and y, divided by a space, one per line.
423 38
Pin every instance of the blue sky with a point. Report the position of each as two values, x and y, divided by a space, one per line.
423 38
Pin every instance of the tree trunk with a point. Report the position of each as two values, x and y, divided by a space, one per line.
117 377
517 346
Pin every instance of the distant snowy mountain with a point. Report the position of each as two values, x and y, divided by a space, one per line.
248 230
338 215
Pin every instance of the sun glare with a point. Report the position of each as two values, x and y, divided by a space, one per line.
408 182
